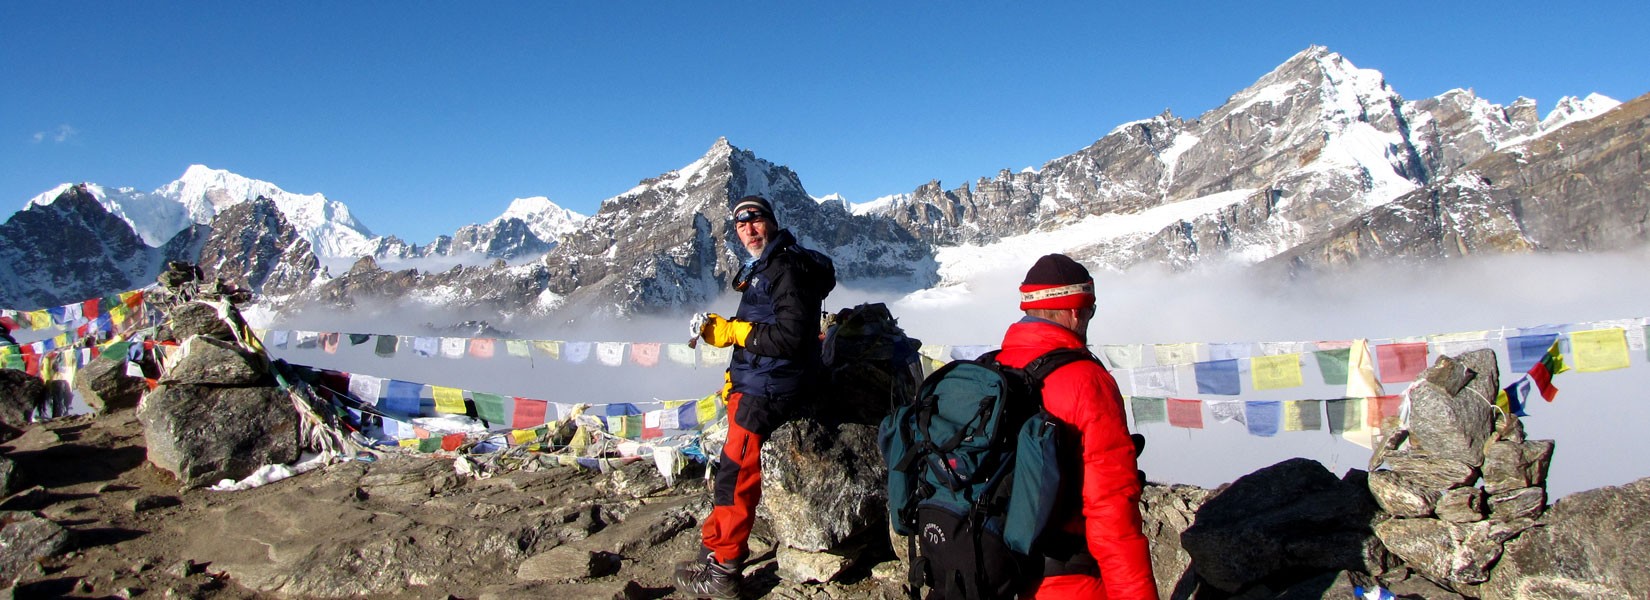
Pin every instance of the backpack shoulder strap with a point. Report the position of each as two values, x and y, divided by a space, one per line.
1043 366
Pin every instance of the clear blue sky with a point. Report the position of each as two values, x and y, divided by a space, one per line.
426 116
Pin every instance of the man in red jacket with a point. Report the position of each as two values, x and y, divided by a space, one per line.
1097 549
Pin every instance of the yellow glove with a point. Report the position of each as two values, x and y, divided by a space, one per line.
727 385
722 333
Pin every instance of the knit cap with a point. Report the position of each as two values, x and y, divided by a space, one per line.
1056 282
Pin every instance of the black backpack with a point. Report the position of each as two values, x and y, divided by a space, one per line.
973 475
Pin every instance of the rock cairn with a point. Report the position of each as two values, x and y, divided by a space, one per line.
1462 479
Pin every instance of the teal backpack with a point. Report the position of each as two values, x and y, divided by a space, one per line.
973 475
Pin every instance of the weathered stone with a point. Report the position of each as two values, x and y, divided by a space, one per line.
1447 425
645 527
1485 382
562 563
1166 511
198 318
1415 586
1412 485
20 393
1288 518
34 498
205 434
1517 504
1592 544
636 480
148 503
1508 426
216 362
1449 374
25 539
1461 505
823 485
1455 552
106 387
1512 465
10 479
810 567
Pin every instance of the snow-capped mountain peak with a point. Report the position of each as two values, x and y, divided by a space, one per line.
1570 109
544 218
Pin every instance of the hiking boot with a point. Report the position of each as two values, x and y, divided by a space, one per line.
706 578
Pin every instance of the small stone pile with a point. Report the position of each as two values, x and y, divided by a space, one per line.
1462 479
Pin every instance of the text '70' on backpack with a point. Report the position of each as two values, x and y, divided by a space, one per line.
973 475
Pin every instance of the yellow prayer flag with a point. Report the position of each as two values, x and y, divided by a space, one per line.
1294 416
1175 354
549 348
1360 373
448 400
1599 349
1276 372
408 443
117 313
39 319
523 436
61 340
706 410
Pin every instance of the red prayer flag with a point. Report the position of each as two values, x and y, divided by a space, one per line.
481 348
1185 413
452 441
1385 408
1543 381
31 364
1401 362
529 413
89 308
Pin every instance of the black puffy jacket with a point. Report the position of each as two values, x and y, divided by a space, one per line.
788 286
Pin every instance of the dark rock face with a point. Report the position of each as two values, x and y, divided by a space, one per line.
1592 544
20 393
77 249
106 387
1283 522
10 481
206 433
253 246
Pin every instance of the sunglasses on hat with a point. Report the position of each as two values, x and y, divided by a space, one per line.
746 216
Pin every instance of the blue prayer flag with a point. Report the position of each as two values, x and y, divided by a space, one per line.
1263 417
1218 377
402 398
623 409
1525 350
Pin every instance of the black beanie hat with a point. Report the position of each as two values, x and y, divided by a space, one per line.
1057 281
756 202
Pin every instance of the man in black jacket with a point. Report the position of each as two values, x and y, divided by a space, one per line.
775 335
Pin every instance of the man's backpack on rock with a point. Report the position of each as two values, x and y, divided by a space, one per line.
973 475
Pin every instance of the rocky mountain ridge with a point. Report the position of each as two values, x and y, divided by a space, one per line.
1312 146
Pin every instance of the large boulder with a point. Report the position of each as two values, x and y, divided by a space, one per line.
1292 520
212 361
106 387
823 487
1592 544
20 393
203 434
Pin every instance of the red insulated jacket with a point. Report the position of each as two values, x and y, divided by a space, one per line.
1084 397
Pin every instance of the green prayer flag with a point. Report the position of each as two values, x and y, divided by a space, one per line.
14 361
489 407
1148 410
1332 364
1346 414
429 444
115 351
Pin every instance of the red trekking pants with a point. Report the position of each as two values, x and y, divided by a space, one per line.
738 484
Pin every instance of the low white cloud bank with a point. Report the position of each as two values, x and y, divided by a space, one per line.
1597 419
